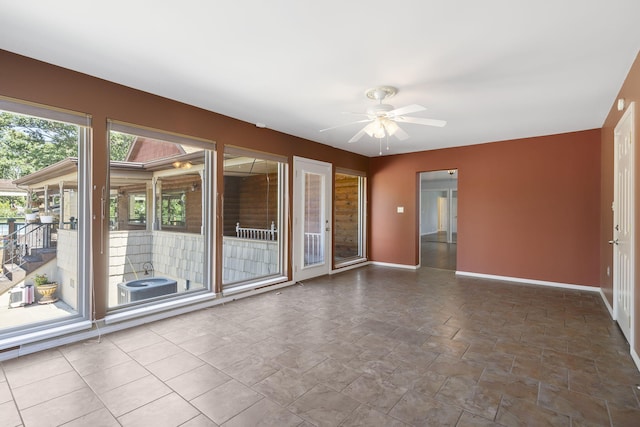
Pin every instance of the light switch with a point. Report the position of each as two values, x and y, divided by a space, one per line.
400 209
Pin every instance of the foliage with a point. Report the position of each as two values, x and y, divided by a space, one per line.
173 209
40 279
28 144
9 206
119 144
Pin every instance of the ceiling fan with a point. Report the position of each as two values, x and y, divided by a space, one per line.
383 119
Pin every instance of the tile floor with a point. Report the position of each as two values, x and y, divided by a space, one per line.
368 347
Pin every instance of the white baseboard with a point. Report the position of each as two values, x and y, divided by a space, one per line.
404 266
529 281
347 267
635 358
606 303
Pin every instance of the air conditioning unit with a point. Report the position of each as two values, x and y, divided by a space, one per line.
137 290
21 295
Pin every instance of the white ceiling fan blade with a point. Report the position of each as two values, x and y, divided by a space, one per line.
374 127
421 121
413 108
401 134
345 124
360 134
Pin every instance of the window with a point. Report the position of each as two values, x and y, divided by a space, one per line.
173 210
43 158
137 208
253 217
349 217
160 246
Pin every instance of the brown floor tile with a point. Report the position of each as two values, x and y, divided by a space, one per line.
323 406
507 383
574 404
170 410
101 417
133 339
47 389
284 386
62 409
133 395
199 421
467 394
427 346
469 420
200 380
623 416
264 413
5 392
154 352
226 401
456 367
174 365
520 412
419 410
298 361
116 376
367 416
535 369
251 369
22 374
9 414
332 373
99 360
376 392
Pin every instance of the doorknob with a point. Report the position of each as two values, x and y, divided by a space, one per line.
613 242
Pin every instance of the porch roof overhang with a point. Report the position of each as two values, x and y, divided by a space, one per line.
8 188
121 173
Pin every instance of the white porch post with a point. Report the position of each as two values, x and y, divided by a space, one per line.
61 218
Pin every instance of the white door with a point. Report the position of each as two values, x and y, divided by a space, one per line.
311 218
623 232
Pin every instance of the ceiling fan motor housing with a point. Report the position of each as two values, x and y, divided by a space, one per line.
379 110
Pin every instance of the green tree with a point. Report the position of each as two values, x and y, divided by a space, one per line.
119 144
28 144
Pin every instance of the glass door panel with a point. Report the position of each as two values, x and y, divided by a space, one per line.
313 219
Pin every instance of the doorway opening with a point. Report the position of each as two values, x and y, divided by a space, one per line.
439 219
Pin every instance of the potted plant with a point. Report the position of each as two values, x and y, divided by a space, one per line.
45 288
46 218
30 215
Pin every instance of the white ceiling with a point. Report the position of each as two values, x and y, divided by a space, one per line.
493 69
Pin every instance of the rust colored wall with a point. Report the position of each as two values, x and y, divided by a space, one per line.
630 91
27 79
527 208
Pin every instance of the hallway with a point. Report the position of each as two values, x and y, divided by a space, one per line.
435 252
373 346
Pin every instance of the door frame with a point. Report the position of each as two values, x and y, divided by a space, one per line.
300 166
629 116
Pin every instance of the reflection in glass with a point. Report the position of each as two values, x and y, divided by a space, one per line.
252 218
349 208
156 245
313 219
